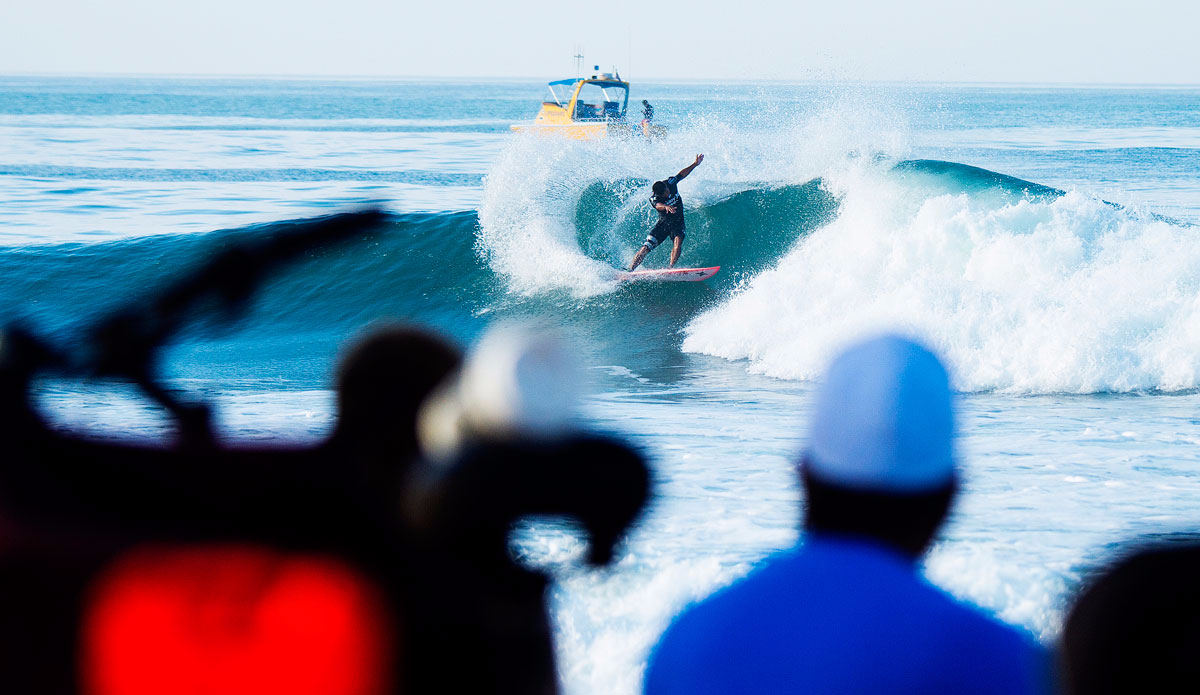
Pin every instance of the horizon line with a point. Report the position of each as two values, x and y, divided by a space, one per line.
523 78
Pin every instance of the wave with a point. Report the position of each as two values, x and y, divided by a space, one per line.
1023 288
560 217
744 232
423 267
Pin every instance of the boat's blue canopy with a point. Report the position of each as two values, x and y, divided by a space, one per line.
615 83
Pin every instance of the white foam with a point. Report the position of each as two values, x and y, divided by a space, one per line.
1017 593
607 623
117 411
526 217
1071 295
527 214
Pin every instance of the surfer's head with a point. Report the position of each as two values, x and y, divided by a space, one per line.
659 188
880 461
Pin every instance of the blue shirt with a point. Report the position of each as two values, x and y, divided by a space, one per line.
841 615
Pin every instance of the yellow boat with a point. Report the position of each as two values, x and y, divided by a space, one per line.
587 109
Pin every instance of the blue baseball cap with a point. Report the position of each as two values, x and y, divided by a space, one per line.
884 420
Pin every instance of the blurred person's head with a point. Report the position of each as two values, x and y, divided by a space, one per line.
519 383
659 188
880 461
381 384
1136 627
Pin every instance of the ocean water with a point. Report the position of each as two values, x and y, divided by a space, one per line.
1042 239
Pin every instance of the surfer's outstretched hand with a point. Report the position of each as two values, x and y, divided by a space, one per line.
688 169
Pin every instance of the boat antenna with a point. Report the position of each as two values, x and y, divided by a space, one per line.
578 61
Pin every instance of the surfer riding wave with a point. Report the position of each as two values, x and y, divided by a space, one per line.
666 200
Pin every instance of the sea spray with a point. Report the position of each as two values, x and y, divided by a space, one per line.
558 214
1043 294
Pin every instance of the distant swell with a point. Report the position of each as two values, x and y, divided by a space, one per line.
238 175
423 267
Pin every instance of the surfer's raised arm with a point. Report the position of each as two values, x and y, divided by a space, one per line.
688 169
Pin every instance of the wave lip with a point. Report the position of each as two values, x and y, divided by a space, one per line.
1034 293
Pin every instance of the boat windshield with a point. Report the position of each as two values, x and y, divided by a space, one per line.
600 101
560 92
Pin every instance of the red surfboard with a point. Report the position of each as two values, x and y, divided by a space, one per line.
669 275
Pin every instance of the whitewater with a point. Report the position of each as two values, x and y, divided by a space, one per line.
1042 239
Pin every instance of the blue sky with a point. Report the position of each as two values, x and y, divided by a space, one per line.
1048 41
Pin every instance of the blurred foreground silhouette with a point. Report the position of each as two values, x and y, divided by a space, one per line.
353 566
846 610
1135 627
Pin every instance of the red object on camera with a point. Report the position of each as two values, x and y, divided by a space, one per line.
233 620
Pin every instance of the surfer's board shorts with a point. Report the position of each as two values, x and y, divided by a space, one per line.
661 231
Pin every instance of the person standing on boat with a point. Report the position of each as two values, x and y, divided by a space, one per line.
647 116
669 205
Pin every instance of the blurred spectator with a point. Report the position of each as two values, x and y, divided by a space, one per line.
381 384
1136 628
339 496
847 611
137 568
140 569
503 442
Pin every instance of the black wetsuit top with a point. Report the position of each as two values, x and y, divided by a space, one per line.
670 221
